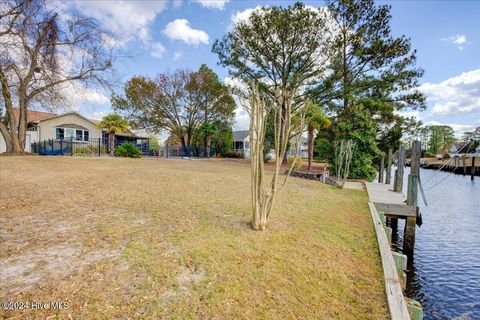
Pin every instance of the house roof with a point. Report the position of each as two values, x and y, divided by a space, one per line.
240 135
33 115
465 147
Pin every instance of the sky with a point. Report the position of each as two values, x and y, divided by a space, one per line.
161 36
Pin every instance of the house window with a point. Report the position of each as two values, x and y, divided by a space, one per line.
59 133
78 135
69 133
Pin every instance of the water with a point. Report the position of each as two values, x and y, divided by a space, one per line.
445 276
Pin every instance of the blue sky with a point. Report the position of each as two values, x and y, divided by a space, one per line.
166 35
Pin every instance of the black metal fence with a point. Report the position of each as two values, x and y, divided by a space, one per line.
186 152
70 147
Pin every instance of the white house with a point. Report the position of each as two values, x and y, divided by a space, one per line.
241 145
71 125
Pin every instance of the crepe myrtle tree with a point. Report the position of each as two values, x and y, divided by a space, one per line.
41 53
279 52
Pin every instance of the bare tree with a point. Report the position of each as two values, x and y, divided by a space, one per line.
43 51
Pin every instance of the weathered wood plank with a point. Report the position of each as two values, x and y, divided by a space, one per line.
396 301
396 210
378 192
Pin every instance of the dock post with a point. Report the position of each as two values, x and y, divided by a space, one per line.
472 170
412 192
382 169
389 167
398 185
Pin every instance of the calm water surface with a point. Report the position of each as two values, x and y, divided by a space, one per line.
445 276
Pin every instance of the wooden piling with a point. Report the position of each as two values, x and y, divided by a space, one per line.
472 173
409 236
389 167
398 185
382 169
412 192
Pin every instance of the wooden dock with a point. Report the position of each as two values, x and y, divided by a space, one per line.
393 206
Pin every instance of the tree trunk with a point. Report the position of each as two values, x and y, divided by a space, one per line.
12 121
263 192
111 143
7 138
208 145
310 146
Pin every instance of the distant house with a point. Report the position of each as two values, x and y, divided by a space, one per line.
71 125
241 145
469 149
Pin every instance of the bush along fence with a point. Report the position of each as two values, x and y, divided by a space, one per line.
71 147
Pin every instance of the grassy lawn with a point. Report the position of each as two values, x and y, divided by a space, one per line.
149 238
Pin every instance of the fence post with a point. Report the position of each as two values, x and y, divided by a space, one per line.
71 144
61 145
99 146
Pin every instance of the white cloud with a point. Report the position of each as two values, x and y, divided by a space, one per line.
242 16
180 29
98 115
126 20
157 50
458 39
78 96
213 4
456 95
177 56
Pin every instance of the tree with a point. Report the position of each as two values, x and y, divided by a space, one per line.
440 137
41 55
153 144
222 139
371 71
217 104
113 123
315 119
279 52
172 101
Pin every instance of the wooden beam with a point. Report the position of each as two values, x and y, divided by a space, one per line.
396 210
393 288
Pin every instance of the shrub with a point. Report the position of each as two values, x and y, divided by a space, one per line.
446 156
234 154
127 150
429 154
88 150
298 162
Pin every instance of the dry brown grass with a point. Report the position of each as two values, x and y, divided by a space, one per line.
142 238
